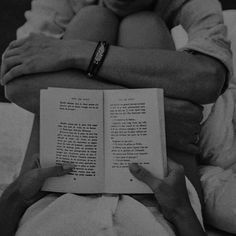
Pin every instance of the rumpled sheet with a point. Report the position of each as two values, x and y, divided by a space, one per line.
100 215
218 144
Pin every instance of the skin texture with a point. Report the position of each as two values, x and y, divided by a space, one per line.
37 54
172 198
24 192
170 193
182 116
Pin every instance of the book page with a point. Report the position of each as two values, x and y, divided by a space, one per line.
133 133
71 131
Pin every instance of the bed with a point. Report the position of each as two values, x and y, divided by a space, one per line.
11 130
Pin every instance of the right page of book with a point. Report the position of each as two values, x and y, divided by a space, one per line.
134 133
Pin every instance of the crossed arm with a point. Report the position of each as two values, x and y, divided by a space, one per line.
197 78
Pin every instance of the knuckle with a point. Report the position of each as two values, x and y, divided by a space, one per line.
5 55
6 62
12 44
28 66
27 46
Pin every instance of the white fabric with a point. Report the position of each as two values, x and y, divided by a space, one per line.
218 145
219 187
15 128
47 17
218 137
104 215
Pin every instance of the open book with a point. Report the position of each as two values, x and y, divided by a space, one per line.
101 132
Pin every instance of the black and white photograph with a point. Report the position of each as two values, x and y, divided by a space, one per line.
117 117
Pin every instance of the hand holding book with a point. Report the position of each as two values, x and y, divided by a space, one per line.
172 197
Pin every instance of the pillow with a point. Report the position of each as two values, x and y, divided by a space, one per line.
218 136
230 21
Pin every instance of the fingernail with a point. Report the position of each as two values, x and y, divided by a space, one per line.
68 166
134 167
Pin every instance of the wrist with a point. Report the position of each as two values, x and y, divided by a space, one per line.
11 197
182 214
187 223
11 210
81 53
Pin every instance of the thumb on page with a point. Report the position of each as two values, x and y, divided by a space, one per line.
55 171
145 176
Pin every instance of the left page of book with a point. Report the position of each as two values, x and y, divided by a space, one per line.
71 131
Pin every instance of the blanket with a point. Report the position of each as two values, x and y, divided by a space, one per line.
100 215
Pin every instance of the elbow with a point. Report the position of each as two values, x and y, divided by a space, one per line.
212 75
216 79
11 92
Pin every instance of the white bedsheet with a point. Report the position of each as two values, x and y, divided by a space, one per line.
218 146
98 215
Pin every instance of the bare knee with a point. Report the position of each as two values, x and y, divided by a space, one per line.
93 23
144 30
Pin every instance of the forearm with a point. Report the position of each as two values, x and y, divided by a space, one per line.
192 77
25 91
198 78
187 223
11 211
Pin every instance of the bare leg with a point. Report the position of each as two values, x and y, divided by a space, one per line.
91 23
147 30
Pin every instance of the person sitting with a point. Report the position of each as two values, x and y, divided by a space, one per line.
196 74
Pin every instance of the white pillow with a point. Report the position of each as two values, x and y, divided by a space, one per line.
230 21
218 136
